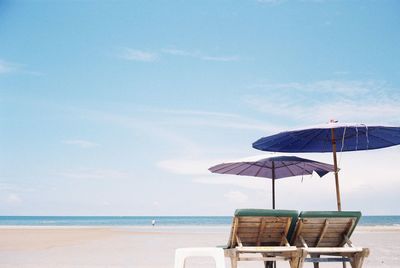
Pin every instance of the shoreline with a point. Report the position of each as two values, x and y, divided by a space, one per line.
219 227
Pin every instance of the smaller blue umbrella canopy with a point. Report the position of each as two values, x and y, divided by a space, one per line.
277 167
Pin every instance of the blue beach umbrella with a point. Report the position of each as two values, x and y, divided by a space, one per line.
274 168
331 137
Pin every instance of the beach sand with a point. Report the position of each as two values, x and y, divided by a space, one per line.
150 247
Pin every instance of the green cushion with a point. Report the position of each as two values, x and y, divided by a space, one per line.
251 212
270 213
332 214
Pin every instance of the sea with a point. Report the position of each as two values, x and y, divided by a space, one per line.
159 220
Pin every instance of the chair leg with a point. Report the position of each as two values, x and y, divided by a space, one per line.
294 262
302 254
268 264
358 260
316 264
234 261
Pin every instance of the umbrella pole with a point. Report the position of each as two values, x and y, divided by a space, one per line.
273 185
339 205
272 264
273 193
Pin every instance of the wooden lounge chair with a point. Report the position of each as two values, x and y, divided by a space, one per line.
261 235
328 234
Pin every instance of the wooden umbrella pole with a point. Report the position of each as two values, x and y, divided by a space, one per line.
273 264
339 205
273 185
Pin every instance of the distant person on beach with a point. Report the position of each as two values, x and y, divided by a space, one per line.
153 222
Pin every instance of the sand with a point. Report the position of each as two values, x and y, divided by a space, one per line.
151 247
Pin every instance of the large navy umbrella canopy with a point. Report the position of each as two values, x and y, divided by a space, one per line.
331 137
349 137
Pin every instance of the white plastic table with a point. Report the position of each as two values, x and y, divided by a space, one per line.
182 253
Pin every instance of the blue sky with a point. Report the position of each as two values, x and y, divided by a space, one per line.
119 107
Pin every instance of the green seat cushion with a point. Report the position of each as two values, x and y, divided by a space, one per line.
330 214
271 213
251 212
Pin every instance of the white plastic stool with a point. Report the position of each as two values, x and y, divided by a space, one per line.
182 253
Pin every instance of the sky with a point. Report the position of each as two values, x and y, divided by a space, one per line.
120 107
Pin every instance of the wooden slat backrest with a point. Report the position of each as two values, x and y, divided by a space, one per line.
259 230
323 232
232 239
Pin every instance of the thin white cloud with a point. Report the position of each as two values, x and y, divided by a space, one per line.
341 73
8 187
185 167
8 67
132 54
271 2
212 119
174 126
347 87
314 1
193 112
198 171
199 55
233 180
13 199
199 167
92 174
137 55
81 143
236 197
179 52
106 203
320 101
220 58
153 128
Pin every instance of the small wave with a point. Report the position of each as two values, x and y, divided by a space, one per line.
47 222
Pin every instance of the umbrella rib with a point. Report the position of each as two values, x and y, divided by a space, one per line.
287 166
301 135
390 143
240 173
377 137
311 139
240 164
307 171
259 170
304 168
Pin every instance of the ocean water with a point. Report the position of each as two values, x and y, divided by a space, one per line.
146 220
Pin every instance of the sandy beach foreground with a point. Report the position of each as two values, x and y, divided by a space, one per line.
149 247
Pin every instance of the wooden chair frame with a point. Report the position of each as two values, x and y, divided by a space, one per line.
328 237
261 238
